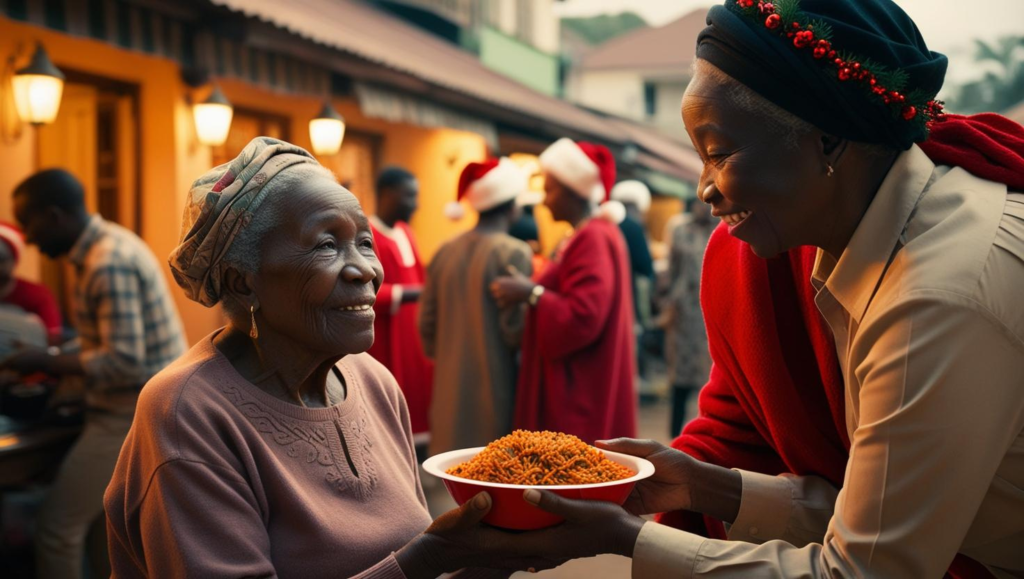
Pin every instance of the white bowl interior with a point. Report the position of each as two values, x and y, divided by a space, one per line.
437 465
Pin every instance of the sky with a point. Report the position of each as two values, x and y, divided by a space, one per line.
945 24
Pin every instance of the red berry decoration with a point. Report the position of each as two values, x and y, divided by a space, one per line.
806 36
803 39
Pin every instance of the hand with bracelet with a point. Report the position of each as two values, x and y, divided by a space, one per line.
515 288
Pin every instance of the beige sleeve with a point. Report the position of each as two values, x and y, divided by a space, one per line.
929 440
795 509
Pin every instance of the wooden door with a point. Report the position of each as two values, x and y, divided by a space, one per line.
69 143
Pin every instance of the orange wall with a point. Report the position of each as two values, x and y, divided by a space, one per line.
171 158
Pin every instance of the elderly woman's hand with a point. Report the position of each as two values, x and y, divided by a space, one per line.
458 539
512 289
680 482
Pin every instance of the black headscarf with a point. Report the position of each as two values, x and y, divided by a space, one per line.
767 62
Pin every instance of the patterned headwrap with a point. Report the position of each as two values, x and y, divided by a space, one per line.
220 205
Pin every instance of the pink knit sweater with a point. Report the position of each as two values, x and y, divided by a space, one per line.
220 479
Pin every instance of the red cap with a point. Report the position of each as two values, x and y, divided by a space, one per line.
605 162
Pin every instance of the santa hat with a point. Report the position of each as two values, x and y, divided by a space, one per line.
487 185
11 235
588 170
633 192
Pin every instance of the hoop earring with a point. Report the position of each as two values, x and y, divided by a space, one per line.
254 332
831 170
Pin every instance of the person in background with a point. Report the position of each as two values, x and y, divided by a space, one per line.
689 362
31 297
397 343
129 330
577 360
474 342
636 198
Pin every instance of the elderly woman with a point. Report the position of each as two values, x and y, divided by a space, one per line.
806 115
276 447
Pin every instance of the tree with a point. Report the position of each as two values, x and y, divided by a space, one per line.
997 90
602 28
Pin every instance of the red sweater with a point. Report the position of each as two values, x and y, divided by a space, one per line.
36 299
577 362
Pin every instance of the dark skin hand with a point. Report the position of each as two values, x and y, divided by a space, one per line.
680 482
457 540
512 289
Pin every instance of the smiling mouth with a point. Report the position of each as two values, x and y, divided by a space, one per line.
734 219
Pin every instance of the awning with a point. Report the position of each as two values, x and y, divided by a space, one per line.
367 32
664 178
685 163
170 31
397 107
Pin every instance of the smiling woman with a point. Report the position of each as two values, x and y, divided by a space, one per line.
276 446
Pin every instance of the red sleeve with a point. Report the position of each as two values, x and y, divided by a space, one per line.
37 299
571 316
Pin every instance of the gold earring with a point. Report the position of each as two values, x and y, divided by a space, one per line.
831 170
254 332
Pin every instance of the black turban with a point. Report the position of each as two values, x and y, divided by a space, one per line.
877 31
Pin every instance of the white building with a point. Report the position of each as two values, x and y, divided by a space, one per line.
640 75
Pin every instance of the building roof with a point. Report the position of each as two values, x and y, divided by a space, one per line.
670 46
376 36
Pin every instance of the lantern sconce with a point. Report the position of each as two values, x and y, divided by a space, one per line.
35 89
38 88
213 118
327 131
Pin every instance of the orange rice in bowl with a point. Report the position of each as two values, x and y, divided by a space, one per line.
555 462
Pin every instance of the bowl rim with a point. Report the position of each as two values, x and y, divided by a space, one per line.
645 470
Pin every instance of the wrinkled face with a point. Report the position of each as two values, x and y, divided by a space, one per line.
42 227
319 275
770 193
7 264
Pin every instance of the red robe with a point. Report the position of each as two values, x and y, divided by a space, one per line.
775 401
396 342
577 362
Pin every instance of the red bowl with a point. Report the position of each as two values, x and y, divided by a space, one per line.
508 508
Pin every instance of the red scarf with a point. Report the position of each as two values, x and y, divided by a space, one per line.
988 145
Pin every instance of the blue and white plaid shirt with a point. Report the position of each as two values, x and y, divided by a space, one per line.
127 321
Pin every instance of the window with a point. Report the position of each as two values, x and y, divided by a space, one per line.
650 99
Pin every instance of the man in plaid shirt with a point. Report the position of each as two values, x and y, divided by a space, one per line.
129 330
